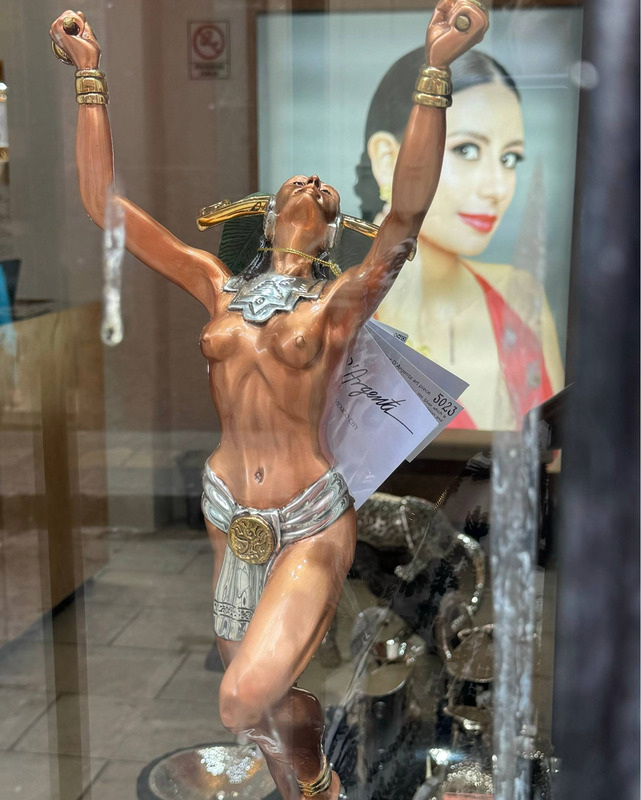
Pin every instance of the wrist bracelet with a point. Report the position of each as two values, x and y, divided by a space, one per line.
91 87
431 100
88 85
90 72
433 88
92 99
432 80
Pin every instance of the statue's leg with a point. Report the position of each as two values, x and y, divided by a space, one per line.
281 773
257 697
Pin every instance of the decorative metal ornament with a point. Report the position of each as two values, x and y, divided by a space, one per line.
432 80
462 23
385 192
261 297
269 221
60 54
431 100
331 264
251 539
225 210
334 232
70 26
93 98
88 81
320 784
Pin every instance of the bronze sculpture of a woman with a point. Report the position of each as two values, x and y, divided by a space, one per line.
278 514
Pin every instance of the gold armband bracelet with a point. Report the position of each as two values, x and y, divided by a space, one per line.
91 87
432 80
93 98
433 88
432 100
90 73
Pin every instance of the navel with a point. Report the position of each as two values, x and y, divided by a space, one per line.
259 475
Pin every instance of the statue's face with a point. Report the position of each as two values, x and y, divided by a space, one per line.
308 198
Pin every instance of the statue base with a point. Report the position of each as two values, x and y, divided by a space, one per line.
204 772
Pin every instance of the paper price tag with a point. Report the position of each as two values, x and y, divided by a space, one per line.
376 421
400 335
387 409
426 379
447 380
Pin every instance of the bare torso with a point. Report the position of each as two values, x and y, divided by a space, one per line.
271 385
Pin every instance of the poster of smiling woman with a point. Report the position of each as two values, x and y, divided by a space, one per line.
486 294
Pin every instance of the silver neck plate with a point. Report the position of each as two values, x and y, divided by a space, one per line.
261 297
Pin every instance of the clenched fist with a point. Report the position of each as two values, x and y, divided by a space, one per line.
456 26
73 35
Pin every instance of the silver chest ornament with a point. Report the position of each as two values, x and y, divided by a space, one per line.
261 297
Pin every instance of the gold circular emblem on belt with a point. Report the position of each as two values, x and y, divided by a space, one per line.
251 539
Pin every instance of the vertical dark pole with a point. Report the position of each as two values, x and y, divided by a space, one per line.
596 687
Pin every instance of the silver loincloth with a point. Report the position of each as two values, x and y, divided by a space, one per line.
240 584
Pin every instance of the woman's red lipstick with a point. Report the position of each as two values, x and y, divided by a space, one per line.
483 223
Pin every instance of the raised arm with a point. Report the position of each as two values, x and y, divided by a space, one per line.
456 26
198 272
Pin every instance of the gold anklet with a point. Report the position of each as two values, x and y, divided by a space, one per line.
331 264
321 784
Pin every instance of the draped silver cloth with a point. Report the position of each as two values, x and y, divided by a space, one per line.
240 584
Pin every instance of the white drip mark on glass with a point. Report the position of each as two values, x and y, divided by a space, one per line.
515 481
514 532
111 331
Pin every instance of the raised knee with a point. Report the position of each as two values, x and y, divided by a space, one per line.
240 704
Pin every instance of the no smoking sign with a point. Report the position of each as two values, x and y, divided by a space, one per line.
208 50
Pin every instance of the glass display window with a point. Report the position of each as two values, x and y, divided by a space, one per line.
318 400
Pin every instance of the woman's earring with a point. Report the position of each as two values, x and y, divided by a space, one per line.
385 192
334 232
269 219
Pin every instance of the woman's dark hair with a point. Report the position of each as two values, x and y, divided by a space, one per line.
392 102
262 262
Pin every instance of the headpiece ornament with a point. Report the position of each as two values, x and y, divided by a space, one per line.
247 220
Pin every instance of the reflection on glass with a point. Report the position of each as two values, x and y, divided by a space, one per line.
456 310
